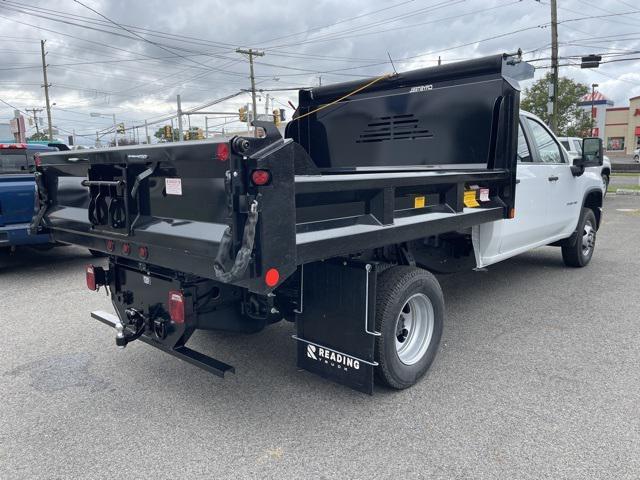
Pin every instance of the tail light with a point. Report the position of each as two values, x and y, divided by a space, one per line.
260 177
176 306
222 152
91 278
37 160
96 277
143 252
272 277
111 245
126 249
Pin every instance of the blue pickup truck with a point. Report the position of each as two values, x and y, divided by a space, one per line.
18 194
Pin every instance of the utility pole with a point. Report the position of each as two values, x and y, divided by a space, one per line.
35 112
146 132
180 136
553 93
206 127
251 52
46 89
266 105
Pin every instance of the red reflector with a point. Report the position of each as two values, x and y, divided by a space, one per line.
222 152
37 160
176 306
91 278
260 177
111 245
143 252
126 249
272 277
512 213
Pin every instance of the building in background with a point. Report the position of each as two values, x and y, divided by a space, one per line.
596 104
622 128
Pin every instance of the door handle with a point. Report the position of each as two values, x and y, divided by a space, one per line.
553 178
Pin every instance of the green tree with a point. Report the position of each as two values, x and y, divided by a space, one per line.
573 121
39 136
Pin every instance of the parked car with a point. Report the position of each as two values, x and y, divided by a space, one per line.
636 154
337 227
18 194
573 146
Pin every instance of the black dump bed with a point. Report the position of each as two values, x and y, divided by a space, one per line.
396 161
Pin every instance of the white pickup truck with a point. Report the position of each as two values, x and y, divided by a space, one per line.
557 202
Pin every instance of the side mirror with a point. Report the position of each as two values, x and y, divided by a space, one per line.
591 153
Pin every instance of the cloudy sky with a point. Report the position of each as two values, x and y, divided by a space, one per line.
132 58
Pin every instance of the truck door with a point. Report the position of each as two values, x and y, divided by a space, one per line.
530 223
562 185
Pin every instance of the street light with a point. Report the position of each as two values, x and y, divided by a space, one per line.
115 126
593 105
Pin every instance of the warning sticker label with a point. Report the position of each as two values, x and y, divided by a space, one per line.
173 186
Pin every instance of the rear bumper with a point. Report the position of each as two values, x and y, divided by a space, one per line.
18 234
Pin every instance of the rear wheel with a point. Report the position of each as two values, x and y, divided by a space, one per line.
579 254
409 316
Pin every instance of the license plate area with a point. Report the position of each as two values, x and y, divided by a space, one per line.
142 300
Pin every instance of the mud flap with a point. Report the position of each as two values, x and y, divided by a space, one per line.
335 333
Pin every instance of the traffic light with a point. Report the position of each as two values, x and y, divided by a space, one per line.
200 134
168 132
591 61
120 128
187 135
276 117
243 114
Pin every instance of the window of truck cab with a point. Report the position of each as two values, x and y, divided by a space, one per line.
524 152
546 148
13 161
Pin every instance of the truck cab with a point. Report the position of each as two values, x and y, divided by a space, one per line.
18 195
551 191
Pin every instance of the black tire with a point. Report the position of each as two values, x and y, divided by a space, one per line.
605 181
578 255
396 286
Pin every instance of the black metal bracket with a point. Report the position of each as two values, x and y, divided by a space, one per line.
193 357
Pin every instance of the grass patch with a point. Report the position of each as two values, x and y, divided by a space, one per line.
625 174
614 188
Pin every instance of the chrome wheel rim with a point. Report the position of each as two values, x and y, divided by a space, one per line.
414 328
588 238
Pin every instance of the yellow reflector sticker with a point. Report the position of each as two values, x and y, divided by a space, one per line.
419 202
470 199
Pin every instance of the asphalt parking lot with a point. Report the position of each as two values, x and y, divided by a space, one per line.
538 376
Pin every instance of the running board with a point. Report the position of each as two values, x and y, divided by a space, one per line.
197 359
